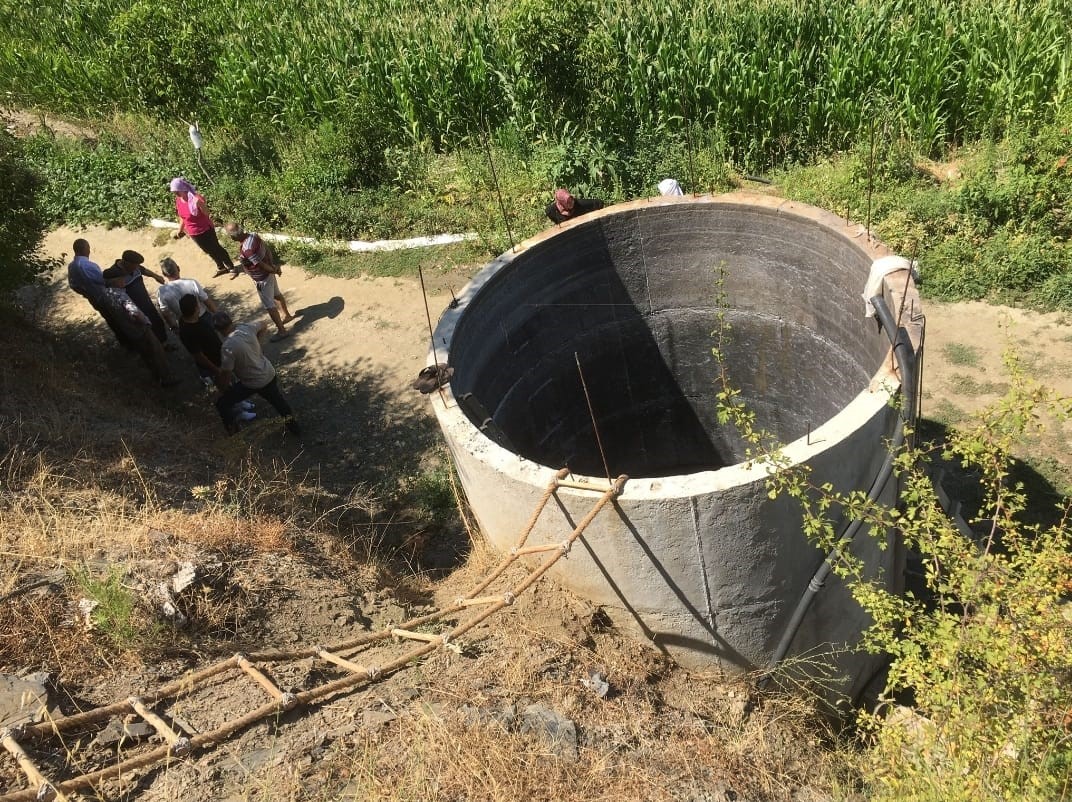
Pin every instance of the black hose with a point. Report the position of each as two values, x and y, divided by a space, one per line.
902 349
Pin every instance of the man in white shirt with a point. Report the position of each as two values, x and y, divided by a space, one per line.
87 279
171 292
241 358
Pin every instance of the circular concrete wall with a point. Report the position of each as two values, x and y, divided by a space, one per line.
694 554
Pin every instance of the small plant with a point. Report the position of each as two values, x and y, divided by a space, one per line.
114 610
433 493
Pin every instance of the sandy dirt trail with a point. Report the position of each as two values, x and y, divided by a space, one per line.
380 320
357 346
360 342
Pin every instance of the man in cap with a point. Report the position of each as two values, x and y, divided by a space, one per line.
259 265
132 265
241 358
134 324
566 207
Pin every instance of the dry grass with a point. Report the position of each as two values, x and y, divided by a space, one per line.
661 735
88 494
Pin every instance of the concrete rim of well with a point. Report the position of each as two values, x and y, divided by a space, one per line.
883 386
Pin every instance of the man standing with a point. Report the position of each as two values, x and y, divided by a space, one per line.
170 293
134 324
241 358
132 264
258 263
203 342
87 279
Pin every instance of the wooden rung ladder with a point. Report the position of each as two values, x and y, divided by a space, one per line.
44 789
176 745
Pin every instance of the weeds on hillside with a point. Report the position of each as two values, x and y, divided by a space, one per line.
112 609
984 659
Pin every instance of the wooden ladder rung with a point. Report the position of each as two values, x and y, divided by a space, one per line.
536 549
45 789
342 662
507 598
286 700
581 486
410 635
179 744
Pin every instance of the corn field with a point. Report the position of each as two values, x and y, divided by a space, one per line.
777 79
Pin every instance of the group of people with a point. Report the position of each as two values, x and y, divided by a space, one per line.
227 354
566 207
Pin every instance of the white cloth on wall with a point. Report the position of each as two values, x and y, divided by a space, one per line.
670 186
880 268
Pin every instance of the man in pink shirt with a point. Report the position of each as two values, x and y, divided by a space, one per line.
195 221
259 265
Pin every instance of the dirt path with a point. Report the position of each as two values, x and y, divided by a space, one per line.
376 321
360 342
356 347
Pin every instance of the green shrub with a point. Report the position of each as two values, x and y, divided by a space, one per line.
988 662
1056 290
105 181
982 666
116 613
22 220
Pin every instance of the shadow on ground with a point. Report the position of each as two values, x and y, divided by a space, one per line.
360 437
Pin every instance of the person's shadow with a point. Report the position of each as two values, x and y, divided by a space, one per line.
308 315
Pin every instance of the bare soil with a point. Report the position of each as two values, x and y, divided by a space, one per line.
452 728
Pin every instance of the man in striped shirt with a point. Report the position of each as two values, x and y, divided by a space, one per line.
259 265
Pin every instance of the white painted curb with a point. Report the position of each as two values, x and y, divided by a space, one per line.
357 245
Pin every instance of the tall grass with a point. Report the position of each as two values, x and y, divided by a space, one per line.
777 79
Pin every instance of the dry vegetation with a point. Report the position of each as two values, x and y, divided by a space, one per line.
99 483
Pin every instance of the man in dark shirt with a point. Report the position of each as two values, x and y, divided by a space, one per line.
203 342
134 324
199 337
566 207
133 266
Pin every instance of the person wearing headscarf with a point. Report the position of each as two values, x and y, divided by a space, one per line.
194 220
566 207
670 187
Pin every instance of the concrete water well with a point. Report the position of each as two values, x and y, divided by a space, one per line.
694 555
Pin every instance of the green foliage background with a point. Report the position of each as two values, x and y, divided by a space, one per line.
381 118
22 221
777 78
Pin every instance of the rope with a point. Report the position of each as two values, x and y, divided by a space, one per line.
359 675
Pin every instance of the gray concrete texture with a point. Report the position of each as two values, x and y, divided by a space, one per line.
694 555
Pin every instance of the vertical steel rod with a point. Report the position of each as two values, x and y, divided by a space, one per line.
431 333
592 415
495 178
870 178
